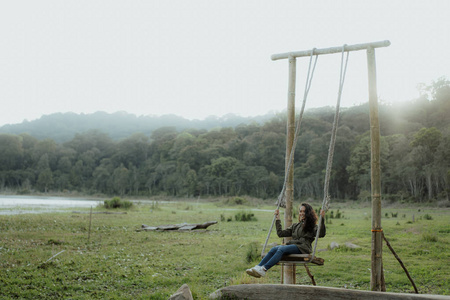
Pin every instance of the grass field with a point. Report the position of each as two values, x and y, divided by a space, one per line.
114 261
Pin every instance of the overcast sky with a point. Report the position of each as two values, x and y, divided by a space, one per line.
204 57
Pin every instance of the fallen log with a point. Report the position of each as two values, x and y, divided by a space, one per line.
291 291
179 227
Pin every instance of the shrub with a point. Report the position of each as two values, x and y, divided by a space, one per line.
427 217
245 216
223 218
116 202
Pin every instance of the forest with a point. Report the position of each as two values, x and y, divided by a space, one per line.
247 159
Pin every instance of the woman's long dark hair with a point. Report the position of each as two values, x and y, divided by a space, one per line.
310 217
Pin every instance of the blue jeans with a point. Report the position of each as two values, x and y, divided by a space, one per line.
275 254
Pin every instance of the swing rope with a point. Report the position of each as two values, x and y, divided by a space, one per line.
326 196
281 200
282 196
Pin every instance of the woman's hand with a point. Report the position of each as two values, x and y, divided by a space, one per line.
322 213
277 214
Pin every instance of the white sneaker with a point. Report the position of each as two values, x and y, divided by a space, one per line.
252 272
261 271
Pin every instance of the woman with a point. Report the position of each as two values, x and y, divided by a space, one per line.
303 234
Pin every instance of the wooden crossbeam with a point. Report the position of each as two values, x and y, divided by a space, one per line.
331 50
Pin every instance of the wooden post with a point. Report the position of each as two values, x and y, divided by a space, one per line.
90 222
289 269
377 278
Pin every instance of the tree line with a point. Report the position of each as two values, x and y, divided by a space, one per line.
247 159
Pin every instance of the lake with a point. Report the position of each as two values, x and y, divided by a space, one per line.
11 205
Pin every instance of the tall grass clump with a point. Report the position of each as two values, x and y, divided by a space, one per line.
338 215
245 216
429 237
116 202
252 253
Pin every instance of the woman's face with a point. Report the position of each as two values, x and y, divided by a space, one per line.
301 213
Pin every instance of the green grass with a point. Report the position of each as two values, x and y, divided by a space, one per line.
118 262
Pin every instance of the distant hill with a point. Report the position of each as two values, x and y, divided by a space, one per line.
62 127
403 117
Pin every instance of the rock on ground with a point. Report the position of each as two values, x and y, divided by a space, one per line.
352 246
183 293
334 245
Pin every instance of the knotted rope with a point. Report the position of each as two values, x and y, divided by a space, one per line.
326 196
281 200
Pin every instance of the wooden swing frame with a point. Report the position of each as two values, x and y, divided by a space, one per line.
289 262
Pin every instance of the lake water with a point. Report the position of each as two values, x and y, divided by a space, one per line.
10 205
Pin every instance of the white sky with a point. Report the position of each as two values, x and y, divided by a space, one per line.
206 57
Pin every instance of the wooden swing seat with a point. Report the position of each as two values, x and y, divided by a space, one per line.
300 259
